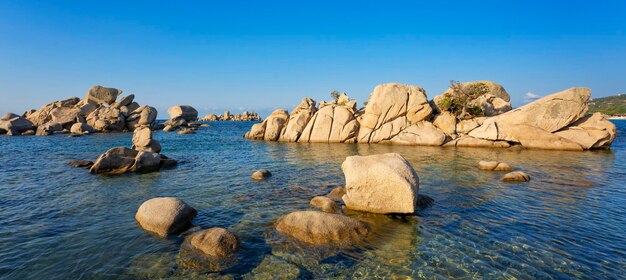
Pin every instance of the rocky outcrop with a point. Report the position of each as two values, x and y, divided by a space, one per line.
13 124
216 242
227 116
97 112
165 215
390 109
383 184
331 124
590 132
298 120
271 128
316 227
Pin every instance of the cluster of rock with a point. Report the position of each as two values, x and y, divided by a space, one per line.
99 111
183 118
402 114
143 157
515 176
227 116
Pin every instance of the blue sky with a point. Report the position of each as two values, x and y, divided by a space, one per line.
237 55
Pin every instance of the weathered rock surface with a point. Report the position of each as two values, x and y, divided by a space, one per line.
391 108
316 227
81 128
469 141
591 132
80 163
270 129
272 267
422 133
298 120
516 176
216 242
261 174
14 124
107 119
185 112
337 193
98 95
146 162
165 215
494 166
325 204
446 121
383 184
49 128
493 102
115 161
331 124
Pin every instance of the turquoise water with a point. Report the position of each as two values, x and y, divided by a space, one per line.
59 222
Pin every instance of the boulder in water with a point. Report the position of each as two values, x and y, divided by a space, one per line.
102 95
216 242
261 174
516 176
325 204
316 227
494 166
165 215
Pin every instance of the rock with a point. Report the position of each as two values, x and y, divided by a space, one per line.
272 267
176 122
168 162
331 124
446 121
493 102
261 174
391 108
49 129
298 120
316 227
550 114
153 147
97 95
216 242
133 106
168 128
146 162
81 128
144 115
80 163
43 116
165 215
186 131
382 184
536 138
28 132
86 109
337 193
422 133
64 115
210 117
188 113
494 166
124 101
424 201
516 176
468 141
106 119
466 126
257 132
142 136
590 132
15 124
274 124
114 161
325 204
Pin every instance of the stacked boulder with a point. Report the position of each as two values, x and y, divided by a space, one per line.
182 117
245 116
97 112
402 114
143 157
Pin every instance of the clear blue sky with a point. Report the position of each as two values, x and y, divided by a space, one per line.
259 56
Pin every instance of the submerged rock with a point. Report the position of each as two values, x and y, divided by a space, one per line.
383 184
316 227
272 267
494 166
261 174
516 176
325 204
216 242
165 215
591 132
80 163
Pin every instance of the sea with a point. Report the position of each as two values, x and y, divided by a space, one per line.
60 222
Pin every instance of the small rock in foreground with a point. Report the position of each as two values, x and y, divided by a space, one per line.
165 215
516 176
261 174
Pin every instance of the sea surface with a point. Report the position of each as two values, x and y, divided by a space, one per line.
59 222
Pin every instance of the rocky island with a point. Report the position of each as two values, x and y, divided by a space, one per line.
471 114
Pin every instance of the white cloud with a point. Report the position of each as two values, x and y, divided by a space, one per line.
530 97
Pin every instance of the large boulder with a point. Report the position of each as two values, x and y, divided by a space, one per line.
391 108
43 116
102 95
106 119
383 184
144 115
14 124
114 161
186 112
591 132
422 133
446 121
216 242
81 128
469 141
271 128
493 101
298 120
165 215
142 136
48 128
332 123
124 101
146 162
64 115
316 227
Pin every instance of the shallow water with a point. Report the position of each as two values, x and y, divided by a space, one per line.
59 222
